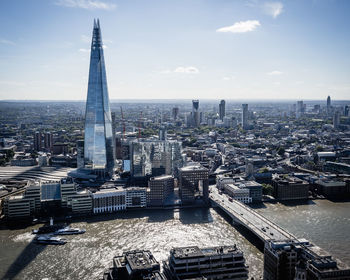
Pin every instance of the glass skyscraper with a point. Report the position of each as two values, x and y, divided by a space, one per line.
98 141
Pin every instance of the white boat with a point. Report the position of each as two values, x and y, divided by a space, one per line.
69 231
50 240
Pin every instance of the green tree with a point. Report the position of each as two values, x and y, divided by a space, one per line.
267 189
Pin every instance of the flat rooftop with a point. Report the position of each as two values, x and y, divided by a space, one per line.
163 177
194 251
193 168
140 260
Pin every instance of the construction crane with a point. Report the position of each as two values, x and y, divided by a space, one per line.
123 121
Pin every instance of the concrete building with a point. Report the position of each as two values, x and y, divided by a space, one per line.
109 200
19 207
68 188
224 262
280 259
329 105
288 188
48 141
333 188
33 192
134 265
222 110
299 109
37 141
245 116
337 167
193 183
195 113
300 260
80 203
161 188
136 197
80 154
255 190
336 119
175 113
237 193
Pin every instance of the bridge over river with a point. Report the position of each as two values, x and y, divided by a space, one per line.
242 214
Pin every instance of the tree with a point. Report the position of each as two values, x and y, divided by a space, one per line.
281 151
267 189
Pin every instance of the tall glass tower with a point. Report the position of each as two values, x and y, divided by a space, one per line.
98 142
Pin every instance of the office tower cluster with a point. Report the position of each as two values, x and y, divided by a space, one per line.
155 157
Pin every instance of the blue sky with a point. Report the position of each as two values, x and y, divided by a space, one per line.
206 49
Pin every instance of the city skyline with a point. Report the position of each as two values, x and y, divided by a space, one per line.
256 49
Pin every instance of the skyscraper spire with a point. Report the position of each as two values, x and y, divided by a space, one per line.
98 142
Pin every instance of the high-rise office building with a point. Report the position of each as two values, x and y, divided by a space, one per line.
245 124
175 113
222 109
37 141
329 104
195 113
336 119
48 141
98 142
299 109
346 111
194 182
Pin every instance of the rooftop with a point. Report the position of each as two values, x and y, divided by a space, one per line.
194 251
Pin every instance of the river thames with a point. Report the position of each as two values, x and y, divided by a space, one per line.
325 223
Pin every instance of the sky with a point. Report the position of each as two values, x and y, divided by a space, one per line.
169 49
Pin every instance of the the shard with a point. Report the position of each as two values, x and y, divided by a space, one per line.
98 141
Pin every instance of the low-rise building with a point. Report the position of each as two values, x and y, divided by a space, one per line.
160 188
238 193
134 265
223 262
333 188
80 203
109 200
18 207
287 187
136 197
300 260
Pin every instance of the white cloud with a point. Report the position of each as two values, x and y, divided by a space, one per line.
87 4
85 39
228 78
12 83
240 27
187 70
275 73
273 9
7 42
84 50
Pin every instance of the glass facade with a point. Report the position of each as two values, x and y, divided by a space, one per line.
155 157
98 142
